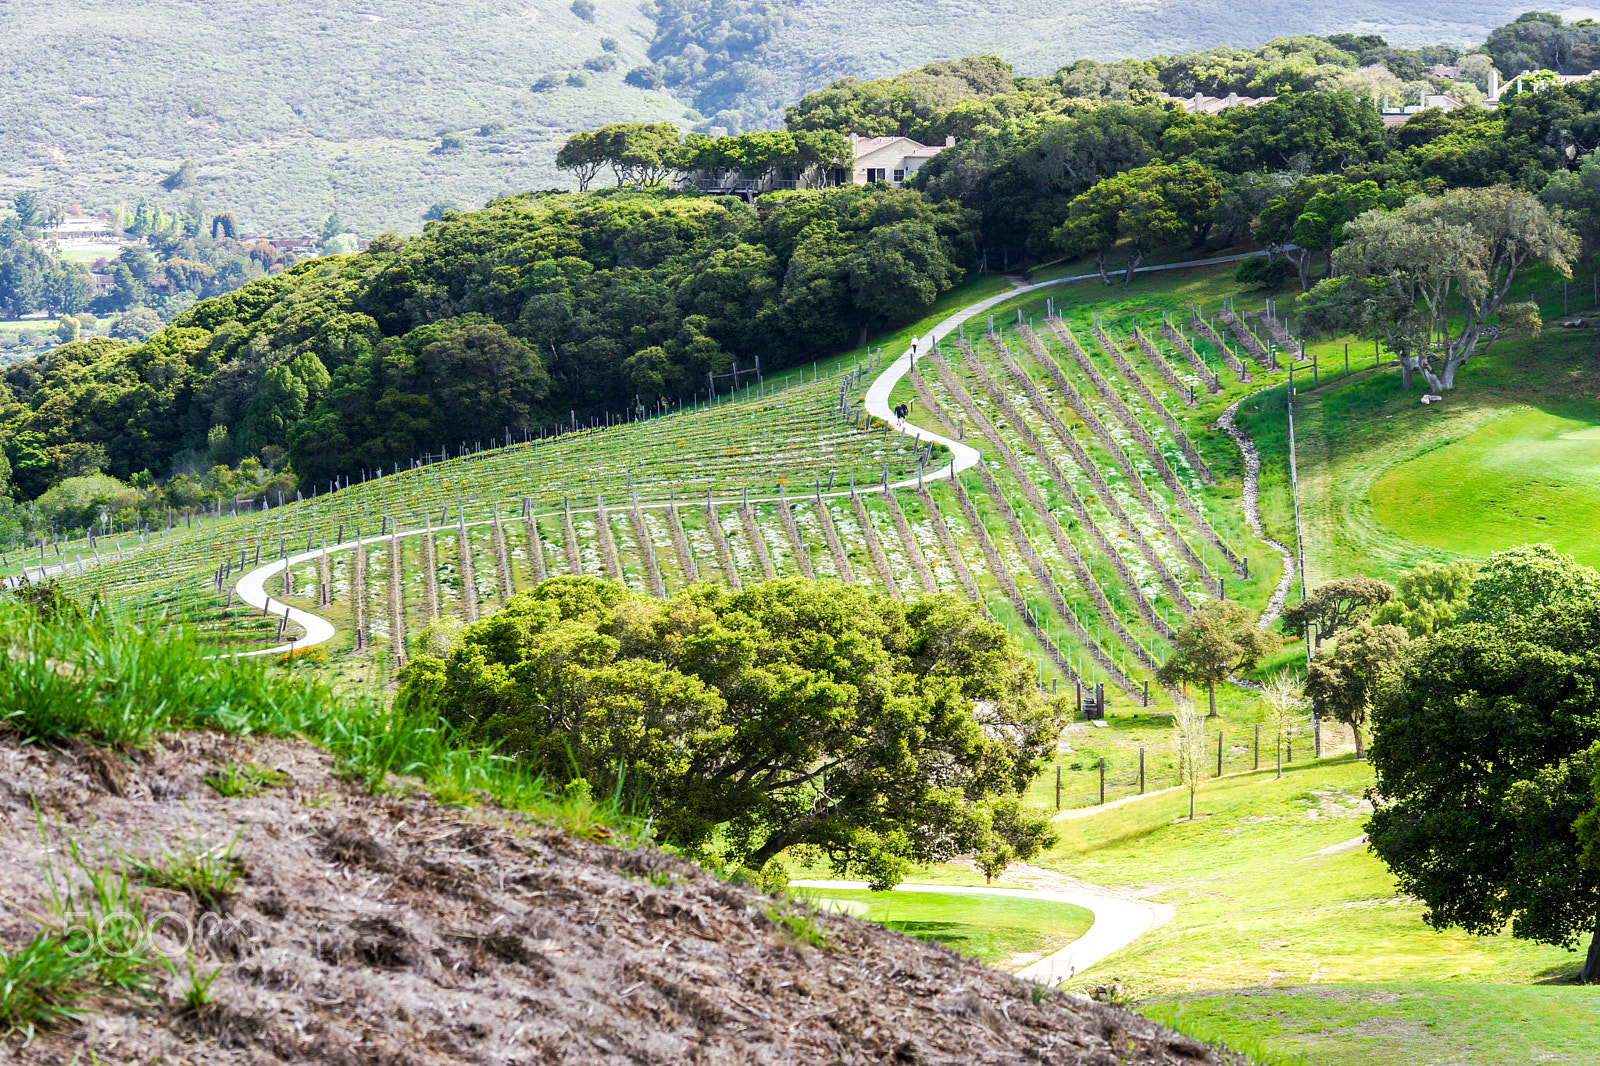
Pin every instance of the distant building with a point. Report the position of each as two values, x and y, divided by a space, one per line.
889 160
1201 104
1530 80
1397 115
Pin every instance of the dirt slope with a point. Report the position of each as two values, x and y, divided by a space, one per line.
395 930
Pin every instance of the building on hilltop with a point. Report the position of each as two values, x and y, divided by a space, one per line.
887 160
1399 114
890 160
1201 104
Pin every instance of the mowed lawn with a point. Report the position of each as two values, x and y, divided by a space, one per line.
1002 931
1530 474
1289 935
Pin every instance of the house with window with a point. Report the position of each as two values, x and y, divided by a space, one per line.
890 160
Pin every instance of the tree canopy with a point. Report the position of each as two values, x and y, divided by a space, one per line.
1218 641
1483 768
791 714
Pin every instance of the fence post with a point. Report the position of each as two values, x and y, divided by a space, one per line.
1141 771
1219 753
1257 765
1102 780
1058 786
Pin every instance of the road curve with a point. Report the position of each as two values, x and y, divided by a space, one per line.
1118 922
251 586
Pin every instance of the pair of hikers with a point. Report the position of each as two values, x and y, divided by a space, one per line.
901 410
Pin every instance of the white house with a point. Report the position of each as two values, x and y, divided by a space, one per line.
891 160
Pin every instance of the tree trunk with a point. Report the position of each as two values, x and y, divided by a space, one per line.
1211 693
1405 374
1361 747
1134 259
1100 265
1591 964
1191 818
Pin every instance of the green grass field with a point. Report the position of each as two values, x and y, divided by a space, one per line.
1006 932
1526 475
1289 931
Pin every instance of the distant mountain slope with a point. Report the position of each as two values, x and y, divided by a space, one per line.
292 110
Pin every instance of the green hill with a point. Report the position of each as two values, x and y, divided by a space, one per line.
292 111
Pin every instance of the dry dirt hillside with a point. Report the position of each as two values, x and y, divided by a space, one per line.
396 930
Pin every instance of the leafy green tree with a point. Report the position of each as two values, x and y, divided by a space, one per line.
331 228
1147 207
226 224
182 177
900 267
1336 605
584 9
136 324
1346 682
79 502
1520 582
791 714
584 155
26 205
1404 276
1009 831
341 244
449 141
1428 597
1482 757
67 329
482 378
1218 641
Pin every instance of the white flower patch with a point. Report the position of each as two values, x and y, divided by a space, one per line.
893 551
744 559
701 544
779 550
449 582
656 528
587 533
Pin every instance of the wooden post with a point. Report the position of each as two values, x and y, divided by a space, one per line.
1219 753
1102 780
1257 765
1058 786
1141 771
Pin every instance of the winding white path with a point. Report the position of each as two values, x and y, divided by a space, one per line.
251 586
1118 922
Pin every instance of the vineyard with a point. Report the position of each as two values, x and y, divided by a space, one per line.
1084 512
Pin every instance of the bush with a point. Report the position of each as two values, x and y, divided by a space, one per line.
79 501
651 76
1263 273
552 80
495 128
584 9
450 142
578 79
137 324
604 61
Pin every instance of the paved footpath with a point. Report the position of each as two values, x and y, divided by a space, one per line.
1118 921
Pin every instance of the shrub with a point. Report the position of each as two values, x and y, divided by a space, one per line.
584 9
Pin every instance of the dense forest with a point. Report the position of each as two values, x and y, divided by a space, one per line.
545 307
